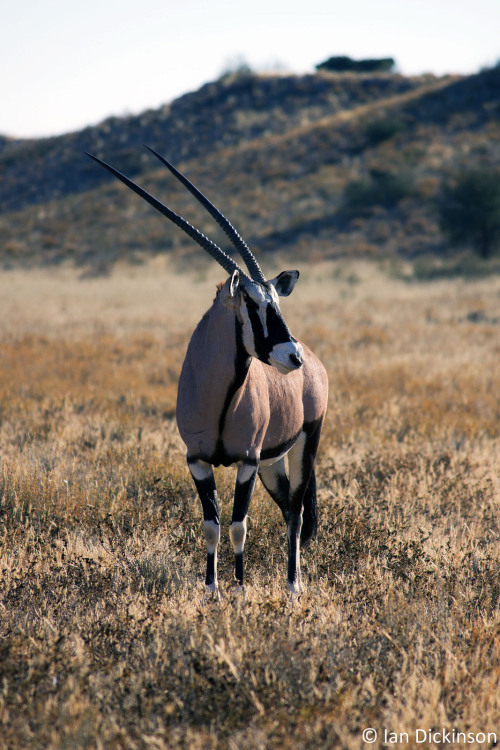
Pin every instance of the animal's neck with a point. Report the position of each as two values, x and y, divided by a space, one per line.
240 369
219 352
234 348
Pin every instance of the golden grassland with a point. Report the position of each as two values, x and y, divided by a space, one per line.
107 639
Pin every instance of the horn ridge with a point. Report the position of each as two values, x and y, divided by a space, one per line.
210 247
225 224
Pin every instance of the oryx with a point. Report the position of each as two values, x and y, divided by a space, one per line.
249 394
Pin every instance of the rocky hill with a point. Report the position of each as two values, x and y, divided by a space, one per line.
234 110
275 152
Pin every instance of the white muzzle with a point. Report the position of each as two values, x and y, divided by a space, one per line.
287 357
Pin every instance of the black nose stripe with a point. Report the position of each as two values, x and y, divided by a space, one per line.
277 329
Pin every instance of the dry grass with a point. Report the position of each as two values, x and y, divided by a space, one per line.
106 639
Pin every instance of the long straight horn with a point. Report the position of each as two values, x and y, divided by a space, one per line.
236 239
212 249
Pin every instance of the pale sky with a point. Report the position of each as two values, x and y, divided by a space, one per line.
67 64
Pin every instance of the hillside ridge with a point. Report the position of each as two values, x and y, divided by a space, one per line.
276 153
226 112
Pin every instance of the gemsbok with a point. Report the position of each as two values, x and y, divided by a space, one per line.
249 394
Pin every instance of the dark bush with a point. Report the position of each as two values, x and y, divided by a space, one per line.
236 66
469 210
381 188
382 129
343 63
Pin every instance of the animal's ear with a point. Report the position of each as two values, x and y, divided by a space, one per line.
233 284
230 290
285 282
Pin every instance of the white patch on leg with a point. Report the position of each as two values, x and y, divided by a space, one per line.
238 534
245 472
200 470
212 535
271 471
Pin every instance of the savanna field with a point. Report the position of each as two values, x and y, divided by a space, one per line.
107 638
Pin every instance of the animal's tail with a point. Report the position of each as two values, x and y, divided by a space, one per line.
309 513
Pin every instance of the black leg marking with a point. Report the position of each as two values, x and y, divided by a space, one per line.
205 484
309 500
245 483
309 512
302 491
210 577
238 567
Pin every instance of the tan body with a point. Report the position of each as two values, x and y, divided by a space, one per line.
265 414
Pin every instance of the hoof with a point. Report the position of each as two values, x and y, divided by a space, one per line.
212 593
295 589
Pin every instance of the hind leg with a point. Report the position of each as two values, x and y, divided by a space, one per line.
301 459
273 477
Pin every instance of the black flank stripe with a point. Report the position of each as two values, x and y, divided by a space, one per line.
279 449
241 365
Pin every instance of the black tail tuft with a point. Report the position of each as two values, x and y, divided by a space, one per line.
310 513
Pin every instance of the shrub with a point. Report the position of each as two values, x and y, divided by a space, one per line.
382 129
236 65
381 188
343 63
469 210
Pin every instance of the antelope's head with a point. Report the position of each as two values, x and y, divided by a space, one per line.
255 300
265 333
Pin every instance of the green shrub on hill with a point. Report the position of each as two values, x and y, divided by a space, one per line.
381 188
342 63
383 129
469 210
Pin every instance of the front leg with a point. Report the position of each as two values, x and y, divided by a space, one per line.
245 483
203 476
